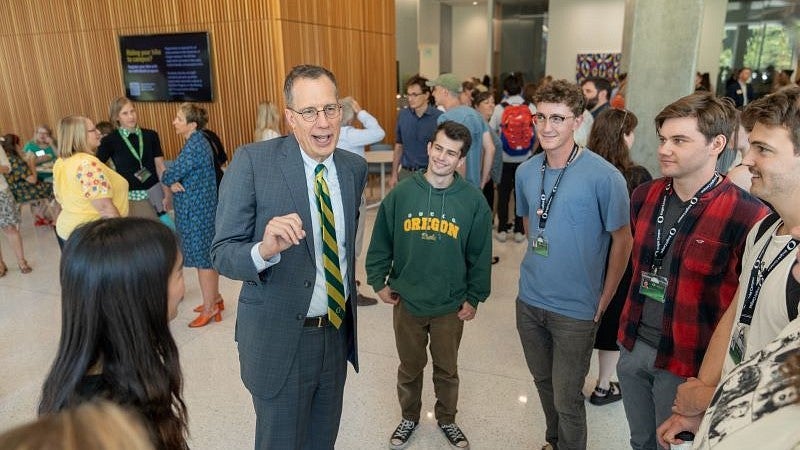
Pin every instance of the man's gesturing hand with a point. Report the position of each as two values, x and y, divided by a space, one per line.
281 233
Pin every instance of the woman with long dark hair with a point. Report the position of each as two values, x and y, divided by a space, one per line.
612 138
121 282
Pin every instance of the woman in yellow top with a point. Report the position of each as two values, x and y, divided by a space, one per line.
86 188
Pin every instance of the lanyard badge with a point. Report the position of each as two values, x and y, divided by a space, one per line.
540 245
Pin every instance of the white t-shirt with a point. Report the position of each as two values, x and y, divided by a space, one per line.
755 406
770 315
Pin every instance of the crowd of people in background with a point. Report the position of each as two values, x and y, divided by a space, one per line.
687 284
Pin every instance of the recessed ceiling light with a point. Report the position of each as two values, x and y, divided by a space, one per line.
474 3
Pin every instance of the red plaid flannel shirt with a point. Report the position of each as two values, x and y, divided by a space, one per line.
703 278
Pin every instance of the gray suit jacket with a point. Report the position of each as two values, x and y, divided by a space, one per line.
265 180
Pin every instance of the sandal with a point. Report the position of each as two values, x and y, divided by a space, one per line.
24 267
602 396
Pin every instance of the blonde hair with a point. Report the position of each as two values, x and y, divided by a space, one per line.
267 118
96 425
72 136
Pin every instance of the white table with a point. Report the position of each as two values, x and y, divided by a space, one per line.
381 157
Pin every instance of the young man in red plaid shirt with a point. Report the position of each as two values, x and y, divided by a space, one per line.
689 231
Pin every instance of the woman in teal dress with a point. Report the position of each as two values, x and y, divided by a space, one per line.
192 180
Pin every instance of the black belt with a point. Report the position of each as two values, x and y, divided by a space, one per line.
317 322
415 168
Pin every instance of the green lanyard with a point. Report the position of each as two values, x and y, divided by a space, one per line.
124 133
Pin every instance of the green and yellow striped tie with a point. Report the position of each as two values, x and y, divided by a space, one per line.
330 250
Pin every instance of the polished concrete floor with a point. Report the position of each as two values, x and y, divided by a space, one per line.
498 405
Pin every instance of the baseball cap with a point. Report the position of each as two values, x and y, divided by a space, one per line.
447 81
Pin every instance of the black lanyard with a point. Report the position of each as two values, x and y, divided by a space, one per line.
758 274
661 250
545 202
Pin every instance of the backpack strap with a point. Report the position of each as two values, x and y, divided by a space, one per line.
792 285
765 224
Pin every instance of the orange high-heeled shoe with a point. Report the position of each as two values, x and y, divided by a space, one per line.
220 303
204 318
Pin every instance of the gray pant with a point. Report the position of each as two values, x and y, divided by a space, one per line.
558 349
648 393
305 413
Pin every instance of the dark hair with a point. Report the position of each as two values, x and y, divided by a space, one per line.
562 91
194 113
781 109
601 84
10 143
457 132
513 83
715 115
528 91
419 81
114 294
305 71
606 138
479 97
105 127
705 81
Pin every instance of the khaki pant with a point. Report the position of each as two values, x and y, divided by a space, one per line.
411 336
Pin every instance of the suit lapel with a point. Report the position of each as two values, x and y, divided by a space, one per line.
295 177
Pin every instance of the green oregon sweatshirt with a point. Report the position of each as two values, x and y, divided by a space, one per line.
432 246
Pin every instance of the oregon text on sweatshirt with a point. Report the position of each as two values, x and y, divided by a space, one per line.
432 246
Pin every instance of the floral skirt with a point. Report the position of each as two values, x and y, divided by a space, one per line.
9 211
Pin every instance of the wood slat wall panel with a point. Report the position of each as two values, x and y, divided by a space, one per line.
61 57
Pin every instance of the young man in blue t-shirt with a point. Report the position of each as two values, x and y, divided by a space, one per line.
575 209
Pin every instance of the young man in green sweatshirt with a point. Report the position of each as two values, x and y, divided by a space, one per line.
430 257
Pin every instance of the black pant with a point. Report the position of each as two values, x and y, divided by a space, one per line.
504 194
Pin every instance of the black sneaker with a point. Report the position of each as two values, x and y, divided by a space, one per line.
402 434
454 435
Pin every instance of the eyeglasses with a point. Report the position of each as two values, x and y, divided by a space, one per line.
414 94
310 114
554 119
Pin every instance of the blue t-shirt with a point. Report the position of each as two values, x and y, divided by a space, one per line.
592 201
414 133
477 126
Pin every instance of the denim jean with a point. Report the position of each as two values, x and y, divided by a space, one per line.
558 350
648 393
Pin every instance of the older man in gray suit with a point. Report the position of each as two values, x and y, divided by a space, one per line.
286 225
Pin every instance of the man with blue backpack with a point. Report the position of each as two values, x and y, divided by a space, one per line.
513 122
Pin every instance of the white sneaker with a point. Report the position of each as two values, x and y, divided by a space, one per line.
501 236
519 237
